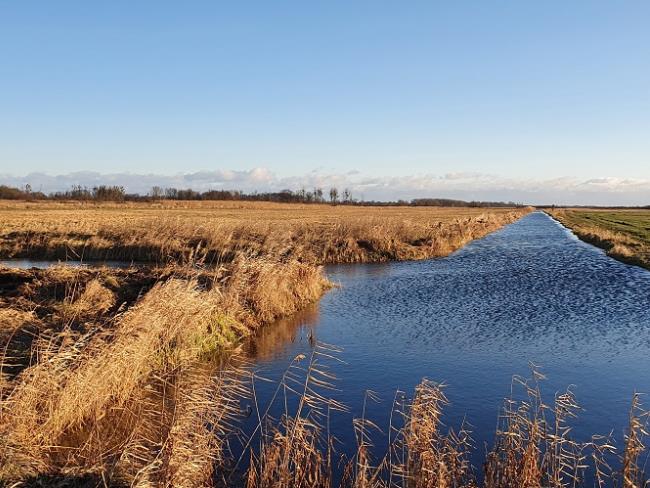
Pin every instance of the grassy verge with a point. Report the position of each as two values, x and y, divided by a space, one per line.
624 234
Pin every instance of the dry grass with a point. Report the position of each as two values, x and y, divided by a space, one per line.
217 231
135 393
624 234
119 377
532 448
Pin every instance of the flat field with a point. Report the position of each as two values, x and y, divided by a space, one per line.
178 231
624 234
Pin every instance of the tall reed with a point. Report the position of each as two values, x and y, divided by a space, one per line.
143 396
532 446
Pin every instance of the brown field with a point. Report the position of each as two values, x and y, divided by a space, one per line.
624 234
132 377
217 231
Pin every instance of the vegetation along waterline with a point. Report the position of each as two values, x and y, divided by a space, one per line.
131 377
119 376
324 244
529 292
624 234
532 447
180 231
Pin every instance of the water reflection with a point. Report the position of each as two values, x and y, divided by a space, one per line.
350 271
44 264
274 341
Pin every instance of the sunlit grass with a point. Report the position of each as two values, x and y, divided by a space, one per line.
624 234
218 231
128 376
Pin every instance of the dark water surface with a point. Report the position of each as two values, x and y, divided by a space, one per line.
44 263
529 292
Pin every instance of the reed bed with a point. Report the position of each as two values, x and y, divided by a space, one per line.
219 231
138 393
142 395
532 447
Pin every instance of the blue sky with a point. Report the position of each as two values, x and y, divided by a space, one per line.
524 91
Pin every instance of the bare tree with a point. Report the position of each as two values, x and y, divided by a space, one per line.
157 192
334 195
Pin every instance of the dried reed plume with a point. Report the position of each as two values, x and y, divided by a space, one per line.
144 396
532 447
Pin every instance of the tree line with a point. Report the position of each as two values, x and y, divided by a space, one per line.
317 195
102 193
334 196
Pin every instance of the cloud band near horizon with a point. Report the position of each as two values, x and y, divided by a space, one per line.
464 186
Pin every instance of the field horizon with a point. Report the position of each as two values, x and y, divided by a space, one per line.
324 244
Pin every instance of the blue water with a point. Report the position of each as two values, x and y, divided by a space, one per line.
529 292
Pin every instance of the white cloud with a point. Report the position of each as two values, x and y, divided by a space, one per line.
466 186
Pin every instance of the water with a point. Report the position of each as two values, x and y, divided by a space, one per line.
529 292
44 264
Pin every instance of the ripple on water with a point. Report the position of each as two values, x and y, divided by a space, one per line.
526 287
529 292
